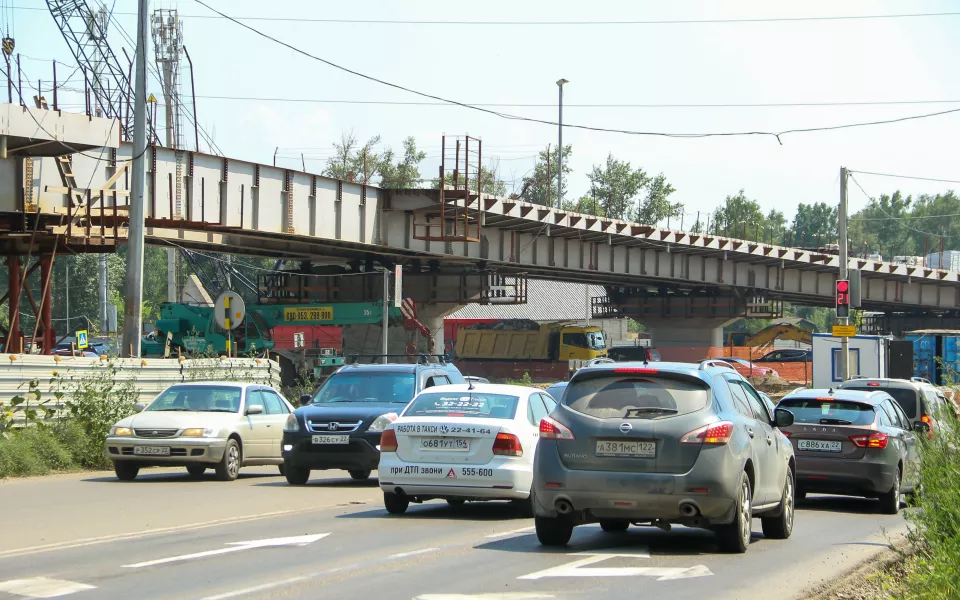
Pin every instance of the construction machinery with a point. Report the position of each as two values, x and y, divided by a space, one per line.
509 349
779 331
301 336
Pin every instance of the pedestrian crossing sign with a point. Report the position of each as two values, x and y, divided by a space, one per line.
82 339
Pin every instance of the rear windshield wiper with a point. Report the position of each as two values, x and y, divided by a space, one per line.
632 412
835 422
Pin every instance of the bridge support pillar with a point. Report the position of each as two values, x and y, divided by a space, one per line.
687 340
432 315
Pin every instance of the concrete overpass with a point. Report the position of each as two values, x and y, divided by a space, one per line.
455 247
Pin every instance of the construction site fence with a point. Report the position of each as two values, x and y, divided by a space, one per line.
47 380
793 372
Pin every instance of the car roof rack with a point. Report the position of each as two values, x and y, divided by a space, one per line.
600 360
715 362
422 359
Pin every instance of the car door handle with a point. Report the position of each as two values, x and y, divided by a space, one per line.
750 432
769 441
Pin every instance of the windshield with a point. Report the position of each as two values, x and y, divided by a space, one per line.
200 398
905 397
556 390
463 404
595 340
367 386
634 397
261 326
838 412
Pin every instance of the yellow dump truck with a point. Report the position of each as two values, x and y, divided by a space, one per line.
508 349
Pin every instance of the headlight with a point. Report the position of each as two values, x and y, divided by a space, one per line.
199 432
381 422
121 431
292 424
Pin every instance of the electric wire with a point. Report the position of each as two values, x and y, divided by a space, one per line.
508 116
881 209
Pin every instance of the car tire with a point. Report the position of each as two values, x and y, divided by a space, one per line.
781 526
735 537
296 475
229 466
890 501
360 475
395 503
456 502
524 508
553 531
196 470
800 495
614 525
126 471
283 470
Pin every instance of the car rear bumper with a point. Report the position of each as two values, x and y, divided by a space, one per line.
500 479
710 486
361 454
183 451
842 476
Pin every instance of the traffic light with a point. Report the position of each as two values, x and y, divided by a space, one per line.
843 298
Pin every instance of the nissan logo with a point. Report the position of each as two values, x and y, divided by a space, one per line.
333 426
625 427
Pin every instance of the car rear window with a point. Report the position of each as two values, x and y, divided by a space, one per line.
620 397
905 397
837 412
463 404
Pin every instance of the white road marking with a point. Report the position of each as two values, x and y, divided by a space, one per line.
576 568
159 531
41 587
257 588
506 533
413 553
301 540
505 596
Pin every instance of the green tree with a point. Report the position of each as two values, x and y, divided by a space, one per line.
540 187
775 227
353 162
656 206
814 224
405 173
616 185
739 216
490 183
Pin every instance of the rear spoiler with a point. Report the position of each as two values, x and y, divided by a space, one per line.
626 371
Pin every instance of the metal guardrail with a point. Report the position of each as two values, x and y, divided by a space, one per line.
53 374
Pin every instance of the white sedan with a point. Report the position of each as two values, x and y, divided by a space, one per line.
463 442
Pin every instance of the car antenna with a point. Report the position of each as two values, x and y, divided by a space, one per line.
469 383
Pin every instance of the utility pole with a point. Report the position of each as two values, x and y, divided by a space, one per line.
560 147
842 230
133 282
386 312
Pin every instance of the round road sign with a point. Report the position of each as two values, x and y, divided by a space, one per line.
229 310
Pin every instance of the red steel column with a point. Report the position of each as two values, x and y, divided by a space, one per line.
48 338
14 342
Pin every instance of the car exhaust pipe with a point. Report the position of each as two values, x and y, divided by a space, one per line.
564 507
689 509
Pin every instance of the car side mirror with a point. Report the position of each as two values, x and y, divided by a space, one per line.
255 410
305 399
138 407
782 418
921 427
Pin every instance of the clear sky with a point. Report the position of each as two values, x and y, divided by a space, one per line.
904 59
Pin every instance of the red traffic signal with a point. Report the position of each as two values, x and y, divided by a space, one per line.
843 298
843 286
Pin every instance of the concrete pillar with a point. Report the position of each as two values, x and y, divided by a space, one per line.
432 315
687 340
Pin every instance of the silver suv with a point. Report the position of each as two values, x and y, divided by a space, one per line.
675 443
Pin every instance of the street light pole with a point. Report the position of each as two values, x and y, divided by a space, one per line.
560 146
133 282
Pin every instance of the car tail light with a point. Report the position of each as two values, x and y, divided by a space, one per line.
636 370
551 430
873 384
785 433
715 434
874 440
929 421
388 441
507 444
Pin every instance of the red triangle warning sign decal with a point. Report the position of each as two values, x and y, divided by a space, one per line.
451 474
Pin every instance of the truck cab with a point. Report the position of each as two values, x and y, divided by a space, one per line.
576 342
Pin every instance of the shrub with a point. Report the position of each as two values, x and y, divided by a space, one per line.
32 451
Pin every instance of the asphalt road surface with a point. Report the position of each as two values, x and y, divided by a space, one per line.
169 536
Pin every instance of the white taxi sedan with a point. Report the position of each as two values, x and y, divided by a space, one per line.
463 442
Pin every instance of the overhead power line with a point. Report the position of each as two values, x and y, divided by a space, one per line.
900 219
907 177
265 18
508 116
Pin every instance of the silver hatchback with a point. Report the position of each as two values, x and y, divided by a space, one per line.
677 443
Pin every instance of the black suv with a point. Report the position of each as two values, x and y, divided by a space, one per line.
340 426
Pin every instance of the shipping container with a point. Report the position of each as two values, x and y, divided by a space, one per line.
950 259
936 355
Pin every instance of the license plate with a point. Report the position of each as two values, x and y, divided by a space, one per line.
152 450
454 444
632 449
331 439
819 445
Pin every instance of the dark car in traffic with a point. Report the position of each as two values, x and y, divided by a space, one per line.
661 444
340 426
853 443
787 355
633 354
